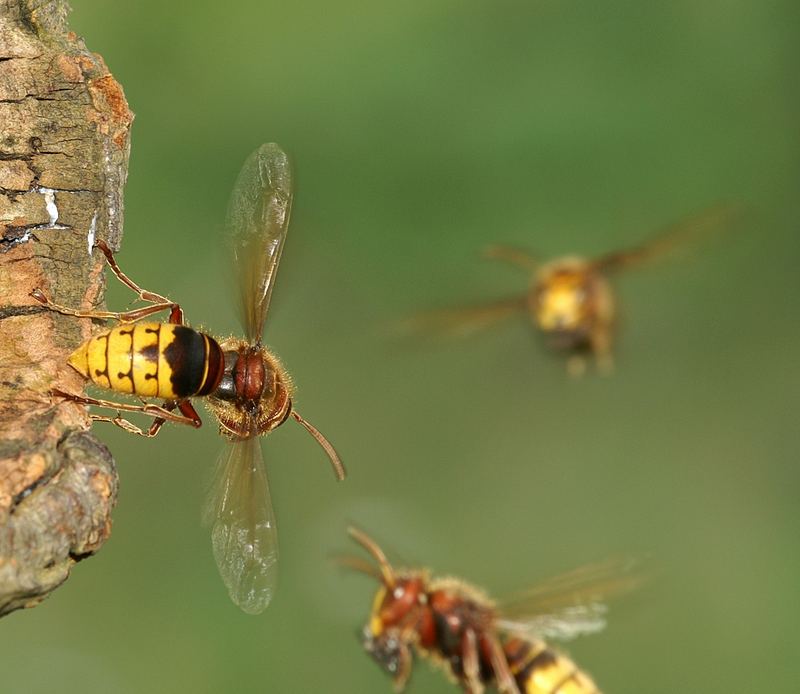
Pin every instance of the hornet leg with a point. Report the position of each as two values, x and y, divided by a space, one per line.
156 411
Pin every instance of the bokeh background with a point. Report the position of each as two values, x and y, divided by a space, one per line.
420 132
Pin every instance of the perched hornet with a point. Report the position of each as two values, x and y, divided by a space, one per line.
480 643
570 299
242 382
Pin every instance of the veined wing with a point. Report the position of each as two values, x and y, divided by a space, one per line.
257 220
462 321
521 258
706 222
243 533
569 605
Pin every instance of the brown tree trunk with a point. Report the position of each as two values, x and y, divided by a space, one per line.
64 141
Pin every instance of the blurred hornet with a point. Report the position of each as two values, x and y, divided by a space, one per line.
570 299
243 383
480 643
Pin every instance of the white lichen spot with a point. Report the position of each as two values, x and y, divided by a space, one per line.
51 208
50 204
91 234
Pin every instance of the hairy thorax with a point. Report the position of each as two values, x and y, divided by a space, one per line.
255 393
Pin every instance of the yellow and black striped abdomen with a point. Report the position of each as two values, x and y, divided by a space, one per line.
156 360
540 670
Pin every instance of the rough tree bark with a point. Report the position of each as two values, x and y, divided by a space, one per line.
64 141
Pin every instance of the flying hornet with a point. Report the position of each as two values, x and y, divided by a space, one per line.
242 382
480 643
569 299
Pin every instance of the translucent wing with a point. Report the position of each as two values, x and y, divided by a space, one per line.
712 219
462 321
257 219
243 532
564 625
569 605
523 259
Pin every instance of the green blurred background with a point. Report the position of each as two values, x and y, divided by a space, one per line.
420 132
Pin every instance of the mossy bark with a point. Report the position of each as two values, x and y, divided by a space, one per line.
64 142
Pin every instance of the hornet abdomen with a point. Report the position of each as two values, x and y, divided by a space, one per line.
155 360
540 670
